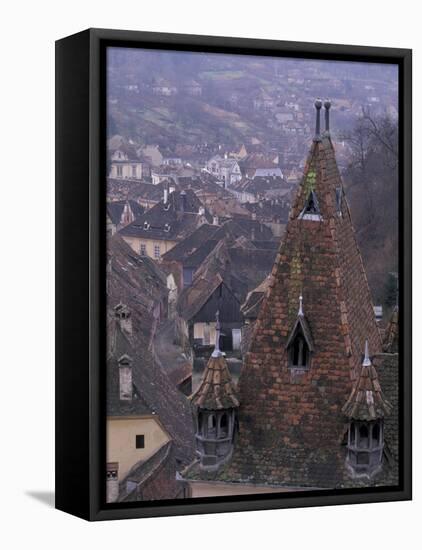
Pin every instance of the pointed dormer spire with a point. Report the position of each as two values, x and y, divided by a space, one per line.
318 105
300 312
366 359
327 105
217 351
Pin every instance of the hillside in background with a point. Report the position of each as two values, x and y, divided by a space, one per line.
230 85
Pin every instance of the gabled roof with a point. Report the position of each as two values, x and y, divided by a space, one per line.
216 390
250 307
367 401
260 184
191 243
170 221
194 297
115 209
152 479
134 189
301 323
291 424
137 282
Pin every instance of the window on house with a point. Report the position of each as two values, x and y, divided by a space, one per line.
299 354
119 171
143 250
201 423
224 425
352 434
157 252
134 171
362 458
187 276
140 442
375 434
363 436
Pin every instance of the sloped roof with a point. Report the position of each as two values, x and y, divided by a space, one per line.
153 478
387 366
391 337
171 221
250 307
191 243
134 189
140 289
367 402
115 209
291 426
216 390
236 263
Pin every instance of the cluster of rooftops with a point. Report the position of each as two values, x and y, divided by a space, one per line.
316 405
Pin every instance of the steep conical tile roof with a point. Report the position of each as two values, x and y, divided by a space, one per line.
282 409
216 390
367 402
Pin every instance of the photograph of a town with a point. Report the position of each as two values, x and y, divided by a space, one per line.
252 275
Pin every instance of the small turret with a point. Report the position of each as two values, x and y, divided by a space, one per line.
366 409
215 405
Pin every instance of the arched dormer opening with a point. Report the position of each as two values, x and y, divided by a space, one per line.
299 344
311 210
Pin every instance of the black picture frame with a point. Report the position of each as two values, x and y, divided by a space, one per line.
80 272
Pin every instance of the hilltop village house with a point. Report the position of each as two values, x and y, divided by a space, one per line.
315 404
225 169
124 166
165 224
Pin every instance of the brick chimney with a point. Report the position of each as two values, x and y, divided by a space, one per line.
125 378
112 481
124 318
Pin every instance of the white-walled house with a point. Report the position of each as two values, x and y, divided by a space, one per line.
225 169
123 167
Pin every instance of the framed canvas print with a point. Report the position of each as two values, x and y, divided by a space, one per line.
233 274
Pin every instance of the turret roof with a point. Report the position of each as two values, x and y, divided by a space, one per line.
216 390
367 402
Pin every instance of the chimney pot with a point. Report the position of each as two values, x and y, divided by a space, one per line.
327 105
124 317
318 105
183 203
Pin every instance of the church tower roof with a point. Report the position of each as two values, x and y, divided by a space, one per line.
292 391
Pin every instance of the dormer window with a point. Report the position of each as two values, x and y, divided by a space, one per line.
166 227
311 210
299 344
146 226
299 353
